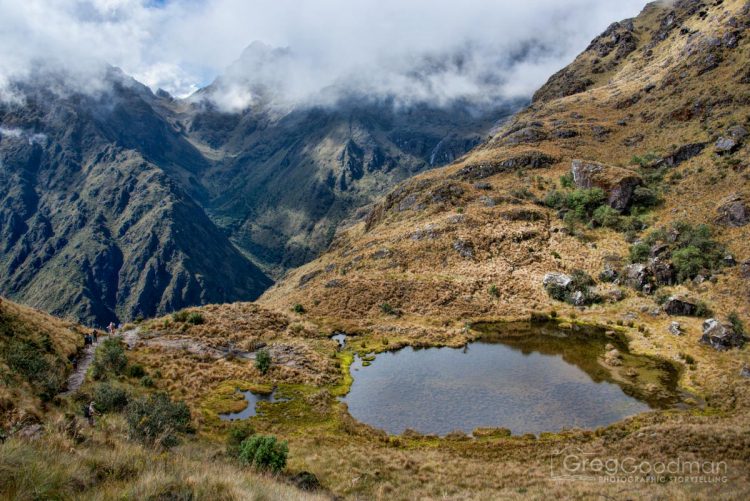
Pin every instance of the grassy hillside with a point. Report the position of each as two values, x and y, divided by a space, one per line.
35 353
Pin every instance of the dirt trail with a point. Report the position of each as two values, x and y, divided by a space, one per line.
75 380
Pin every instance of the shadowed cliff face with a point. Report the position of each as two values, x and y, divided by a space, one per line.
126 203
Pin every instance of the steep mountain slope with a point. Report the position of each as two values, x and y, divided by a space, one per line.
123 203
95 222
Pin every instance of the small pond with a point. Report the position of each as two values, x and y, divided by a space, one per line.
252 401
529 378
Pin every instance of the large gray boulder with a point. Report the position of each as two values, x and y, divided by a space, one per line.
618 183
721 336
637 276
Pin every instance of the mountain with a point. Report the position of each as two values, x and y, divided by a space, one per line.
94 219
123 203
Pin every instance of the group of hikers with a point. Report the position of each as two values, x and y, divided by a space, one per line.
93 337
89 411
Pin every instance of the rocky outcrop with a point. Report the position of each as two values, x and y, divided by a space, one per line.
636 276
528 160
560 280
679 307
618 184
734 211
721 336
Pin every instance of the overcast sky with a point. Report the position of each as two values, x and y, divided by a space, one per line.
458 48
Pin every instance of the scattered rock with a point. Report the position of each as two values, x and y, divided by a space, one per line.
734 211
745 371
465 249
613 358
721 336
522 214
745 269
560 280
334 284
308 276
636 276
737 132
618 183
526 135
725 145
483 186
662 271
382 254
675 328
684 153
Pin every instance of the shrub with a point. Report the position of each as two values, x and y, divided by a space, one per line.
688 262
263 361
147 382
298 308
238 433
387 309
702 309
264 452
606 216
109 358
157 420
645 197
109 398
195 318
180 316
493 291
737 324
639 252
136 370
566 180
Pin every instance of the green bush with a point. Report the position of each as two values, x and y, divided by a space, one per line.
639 252
180 316
109 398
147 382
737 324
566 180
157 420
688 262
607 217
238 433
195 318
109 358
263 361
493 291
387 309
298 308
645 197
136 370
264 452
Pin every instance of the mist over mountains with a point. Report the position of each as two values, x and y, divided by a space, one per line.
218 166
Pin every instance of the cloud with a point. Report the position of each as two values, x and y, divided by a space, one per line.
437 50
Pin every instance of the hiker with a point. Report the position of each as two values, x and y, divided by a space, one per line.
86 340
89 412
111 328
94 336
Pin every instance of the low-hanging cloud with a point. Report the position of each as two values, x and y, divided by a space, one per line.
412 50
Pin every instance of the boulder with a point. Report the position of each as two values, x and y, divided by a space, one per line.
636 275
745 371
663 271
578 298
684 153
560 280
679 307
737 132
745 269
618 183
725 145
734 211
721 336
675 328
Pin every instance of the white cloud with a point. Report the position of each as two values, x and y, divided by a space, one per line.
469 48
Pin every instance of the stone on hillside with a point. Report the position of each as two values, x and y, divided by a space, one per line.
663 271
734 211
560 280
618 183
684 153
721 336
465 249
613 358
725 145
675 328
636 275
527 160
745 371
737 132
680 307
745 269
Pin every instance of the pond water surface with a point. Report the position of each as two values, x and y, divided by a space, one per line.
252 400
535 380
